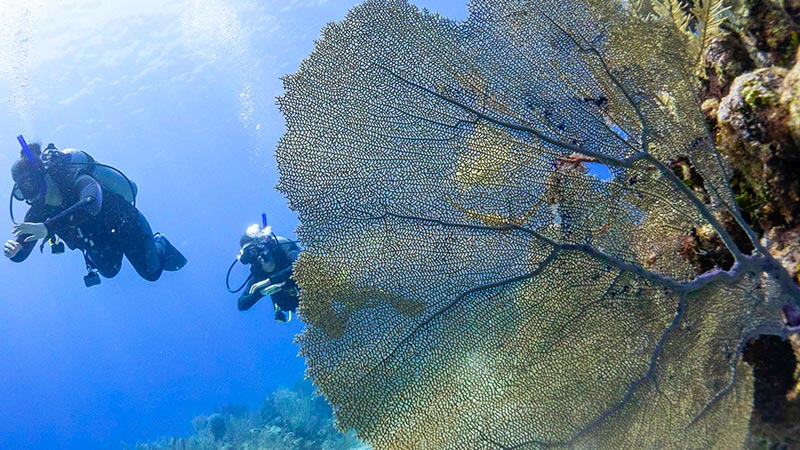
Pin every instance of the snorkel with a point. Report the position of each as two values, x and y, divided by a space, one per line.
38 167
28 153
17 191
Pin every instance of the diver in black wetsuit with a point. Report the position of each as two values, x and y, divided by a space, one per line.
271 259
70 205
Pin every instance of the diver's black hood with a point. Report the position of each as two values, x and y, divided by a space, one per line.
22 168
246 239
29 178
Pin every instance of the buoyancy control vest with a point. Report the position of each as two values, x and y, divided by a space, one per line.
79 163
279 251
69 164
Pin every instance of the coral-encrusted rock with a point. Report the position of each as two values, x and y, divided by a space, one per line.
753 102
774 423
791 99
216 426
769 30
784 245
753 131
725 59
758 128
792 8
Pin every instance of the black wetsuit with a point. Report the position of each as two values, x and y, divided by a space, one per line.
102 224
284 257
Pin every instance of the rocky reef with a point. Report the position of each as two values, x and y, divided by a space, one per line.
752 93
289 419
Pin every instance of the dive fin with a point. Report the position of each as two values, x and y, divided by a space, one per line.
171 259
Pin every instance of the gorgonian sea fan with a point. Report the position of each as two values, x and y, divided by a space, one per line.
467 282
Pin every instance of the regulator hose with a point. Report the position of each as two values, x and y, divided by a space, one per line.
228 279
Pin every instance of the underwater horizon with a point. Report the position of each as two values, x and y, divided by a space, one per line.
181 97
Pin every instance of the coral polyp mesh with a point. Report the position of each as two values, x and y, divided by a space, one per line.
493 232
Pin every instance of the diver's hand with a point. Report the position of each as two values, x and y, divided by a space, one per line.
36 231
11 248
257 286
271 289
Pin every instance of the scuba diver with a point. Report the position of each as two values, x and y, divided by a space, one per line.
88 206
270 258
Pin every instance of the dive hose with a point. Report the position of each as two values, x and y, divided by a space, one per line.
228 279
130 183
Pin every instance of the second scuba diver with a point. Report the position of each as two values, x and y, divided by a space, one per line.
271 259
68 203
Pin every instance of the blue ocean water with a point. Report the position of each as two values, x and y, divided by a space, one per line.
180 96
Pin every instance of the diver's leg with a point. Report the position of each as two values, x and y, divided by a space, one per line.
287 298
247 300
284 301
140 247
108 261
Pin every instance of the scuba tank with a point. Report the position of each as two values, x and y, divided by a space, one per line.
110 178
